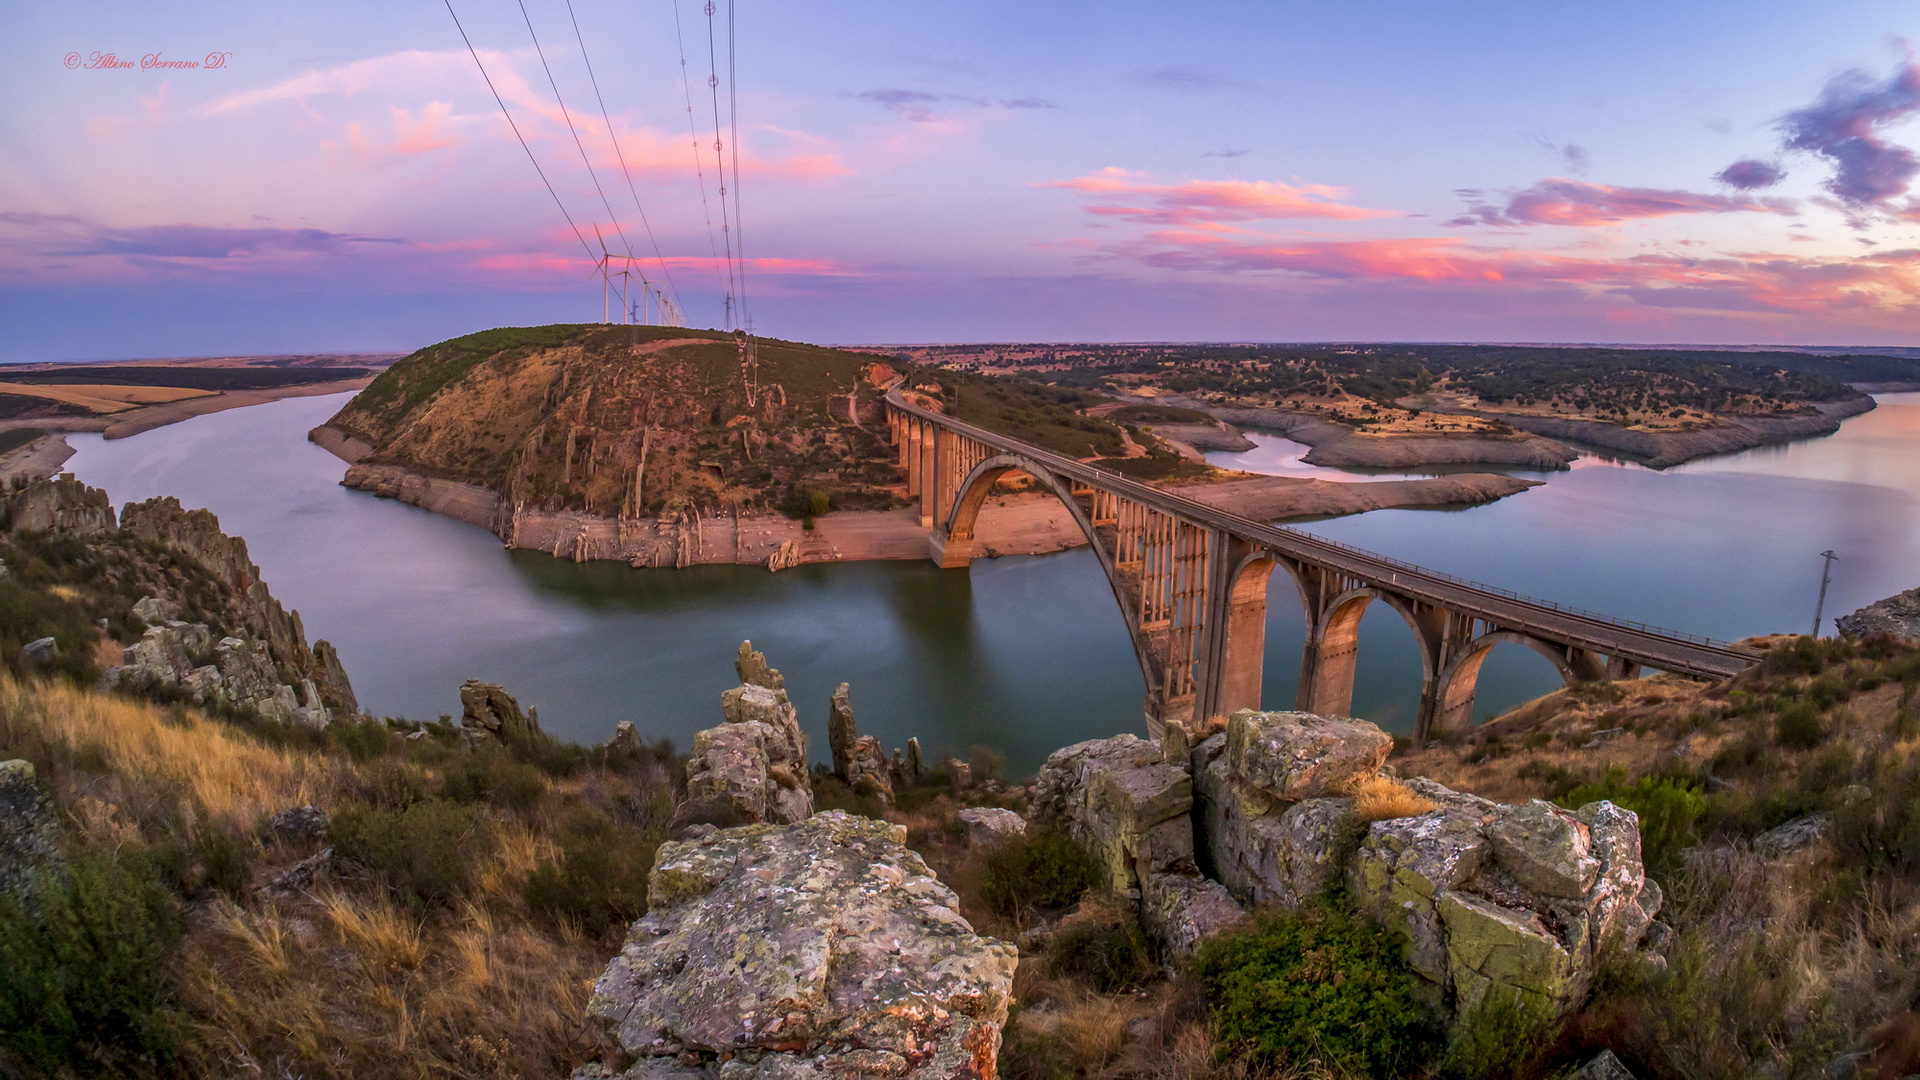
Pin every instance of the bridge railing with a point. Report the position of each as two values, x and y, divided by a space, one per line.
1509 594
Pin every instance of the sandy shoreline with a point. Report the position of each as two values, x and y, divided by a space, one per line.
1026 524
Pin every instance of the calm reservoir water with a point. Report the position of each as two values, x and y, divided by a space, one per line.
1022 654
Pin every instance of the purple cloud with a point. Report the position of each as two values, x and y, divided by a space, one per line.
1843 127
1748 174
1559 201
68 235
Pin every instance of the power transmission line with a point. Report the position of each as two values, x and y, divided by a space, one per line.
516 131
699 171
568 117
719 160
664 269
733 123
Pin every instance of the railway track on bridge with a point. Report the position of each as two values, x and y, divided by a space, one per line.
1191 653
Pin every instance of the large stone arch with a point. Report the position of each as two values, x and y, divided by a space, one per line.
1459 680
1243 625
954 543
1333 644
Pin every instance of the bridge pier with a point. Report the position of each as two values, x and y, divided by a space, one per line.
949 552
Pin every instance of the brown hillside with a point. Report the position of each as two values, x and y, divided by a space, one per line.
633 421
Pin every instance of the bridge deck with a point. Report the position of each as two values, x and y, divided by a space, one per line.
1666 650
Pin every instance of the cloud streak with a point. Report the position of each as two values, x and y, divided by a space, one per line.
1209 203
1576 203
68 235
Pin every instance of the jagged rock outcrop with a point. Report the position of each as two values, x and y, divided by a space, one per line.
1133 810
29 829
753 767
178 658
824 949
860 761
1898 615
62 505
1262 849
487 712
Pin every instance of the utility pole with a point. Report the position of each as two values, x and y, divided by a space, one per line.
1826 576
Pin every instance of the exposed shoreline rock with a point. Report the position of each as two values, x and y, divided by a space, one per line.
1665 449
1336 444
1026 524
821 949
1898 615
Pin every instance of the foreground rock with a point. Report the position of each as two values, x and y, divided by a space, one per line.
822 949
1506 905
860 761
1898 615
1133 810
753 767
488 712
175 659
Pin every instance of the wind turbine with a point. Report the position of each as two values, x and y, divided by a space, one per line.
600 267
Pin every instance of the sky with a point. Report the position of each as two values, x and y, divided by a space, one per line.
273 178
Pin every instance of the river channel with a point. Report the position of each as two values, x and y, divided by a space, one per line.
1021 654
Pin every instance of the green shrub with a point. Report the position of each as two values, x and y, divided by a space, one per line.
426 854
1797 724
81 983
1103 946
361 740
225 863
1670 811
600 879
1038 870
489 774
1315 984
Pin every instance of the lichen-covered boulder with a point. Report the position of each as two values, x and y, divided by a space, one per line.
1133 810
1404 866
820 950
752 703
1546 850
1183 909
1502 955
29 829
988 826
731 781
1263 850
1295 755
1516 901
1121 801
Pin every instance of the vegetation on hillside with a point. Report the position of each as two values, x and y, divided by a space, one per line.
634 421
1622 385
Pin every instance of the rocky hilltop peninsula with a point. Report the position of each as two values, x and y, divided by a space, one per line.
669 447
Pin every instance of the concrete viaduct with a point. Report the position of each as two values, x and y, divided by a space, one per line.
1191 581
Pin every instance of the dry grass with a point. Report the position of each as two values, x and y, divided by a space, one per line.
1379 798
343 980
149 749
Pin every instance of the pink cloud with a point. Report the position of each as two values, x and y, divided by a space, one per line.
1753 283
1207 203
1559 201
